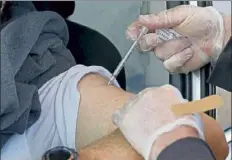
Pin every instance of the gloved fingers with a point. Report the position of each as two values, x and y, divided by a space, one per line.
175 91
166 19
133 30
176 63
148 42
165 50
169 87
118 115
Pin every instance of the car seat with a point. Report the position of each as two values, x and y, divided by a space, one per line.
88 46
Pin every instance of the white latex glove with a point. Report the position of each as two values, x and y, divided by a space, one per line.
203 29
147 116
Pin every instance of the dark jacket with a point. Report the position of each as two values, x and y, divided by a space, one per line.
187 149
222 72
33 51
194 148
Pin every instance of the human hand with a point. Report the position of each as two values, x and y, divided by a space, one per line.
148 116
203 38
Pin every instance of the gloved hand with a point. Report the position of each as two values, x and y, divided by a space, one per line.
147 116
202 29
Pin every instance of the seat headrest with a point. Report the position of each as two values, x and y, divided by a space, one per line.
64 8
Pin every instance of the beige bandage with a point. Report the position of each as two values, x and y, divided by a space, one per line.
203 105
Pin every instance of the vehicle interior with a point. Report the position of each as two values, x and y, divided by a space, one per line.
108 29
97 37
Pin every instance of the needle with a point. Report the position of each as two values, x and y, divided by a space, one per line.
144 30
164 34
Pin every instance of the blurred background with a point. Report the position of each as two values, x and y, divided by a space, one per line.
111 18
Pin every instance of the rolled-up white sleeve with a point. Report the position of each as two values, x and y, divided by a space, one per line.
56 126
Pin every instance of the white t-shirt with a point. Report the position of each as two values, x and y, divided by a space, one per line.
56 126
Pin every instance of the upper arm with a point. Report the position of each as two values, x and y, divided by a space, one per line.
97 104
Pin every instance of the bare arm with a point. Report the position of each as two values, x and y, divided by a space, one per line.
98 101
112 147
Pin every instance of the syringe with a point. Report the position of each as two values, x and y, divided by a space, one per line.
144 30
164 34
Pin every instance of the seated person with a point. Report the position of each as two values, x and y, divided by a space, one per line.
76 101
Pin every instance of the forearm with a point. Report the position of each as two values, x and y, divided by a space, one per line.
112 147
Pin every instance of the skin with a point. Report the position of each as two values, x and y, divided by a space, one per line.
111 147
215 138
98 101
98 138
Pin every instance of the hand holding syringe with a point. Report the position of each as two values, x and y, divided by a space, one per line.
164 34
